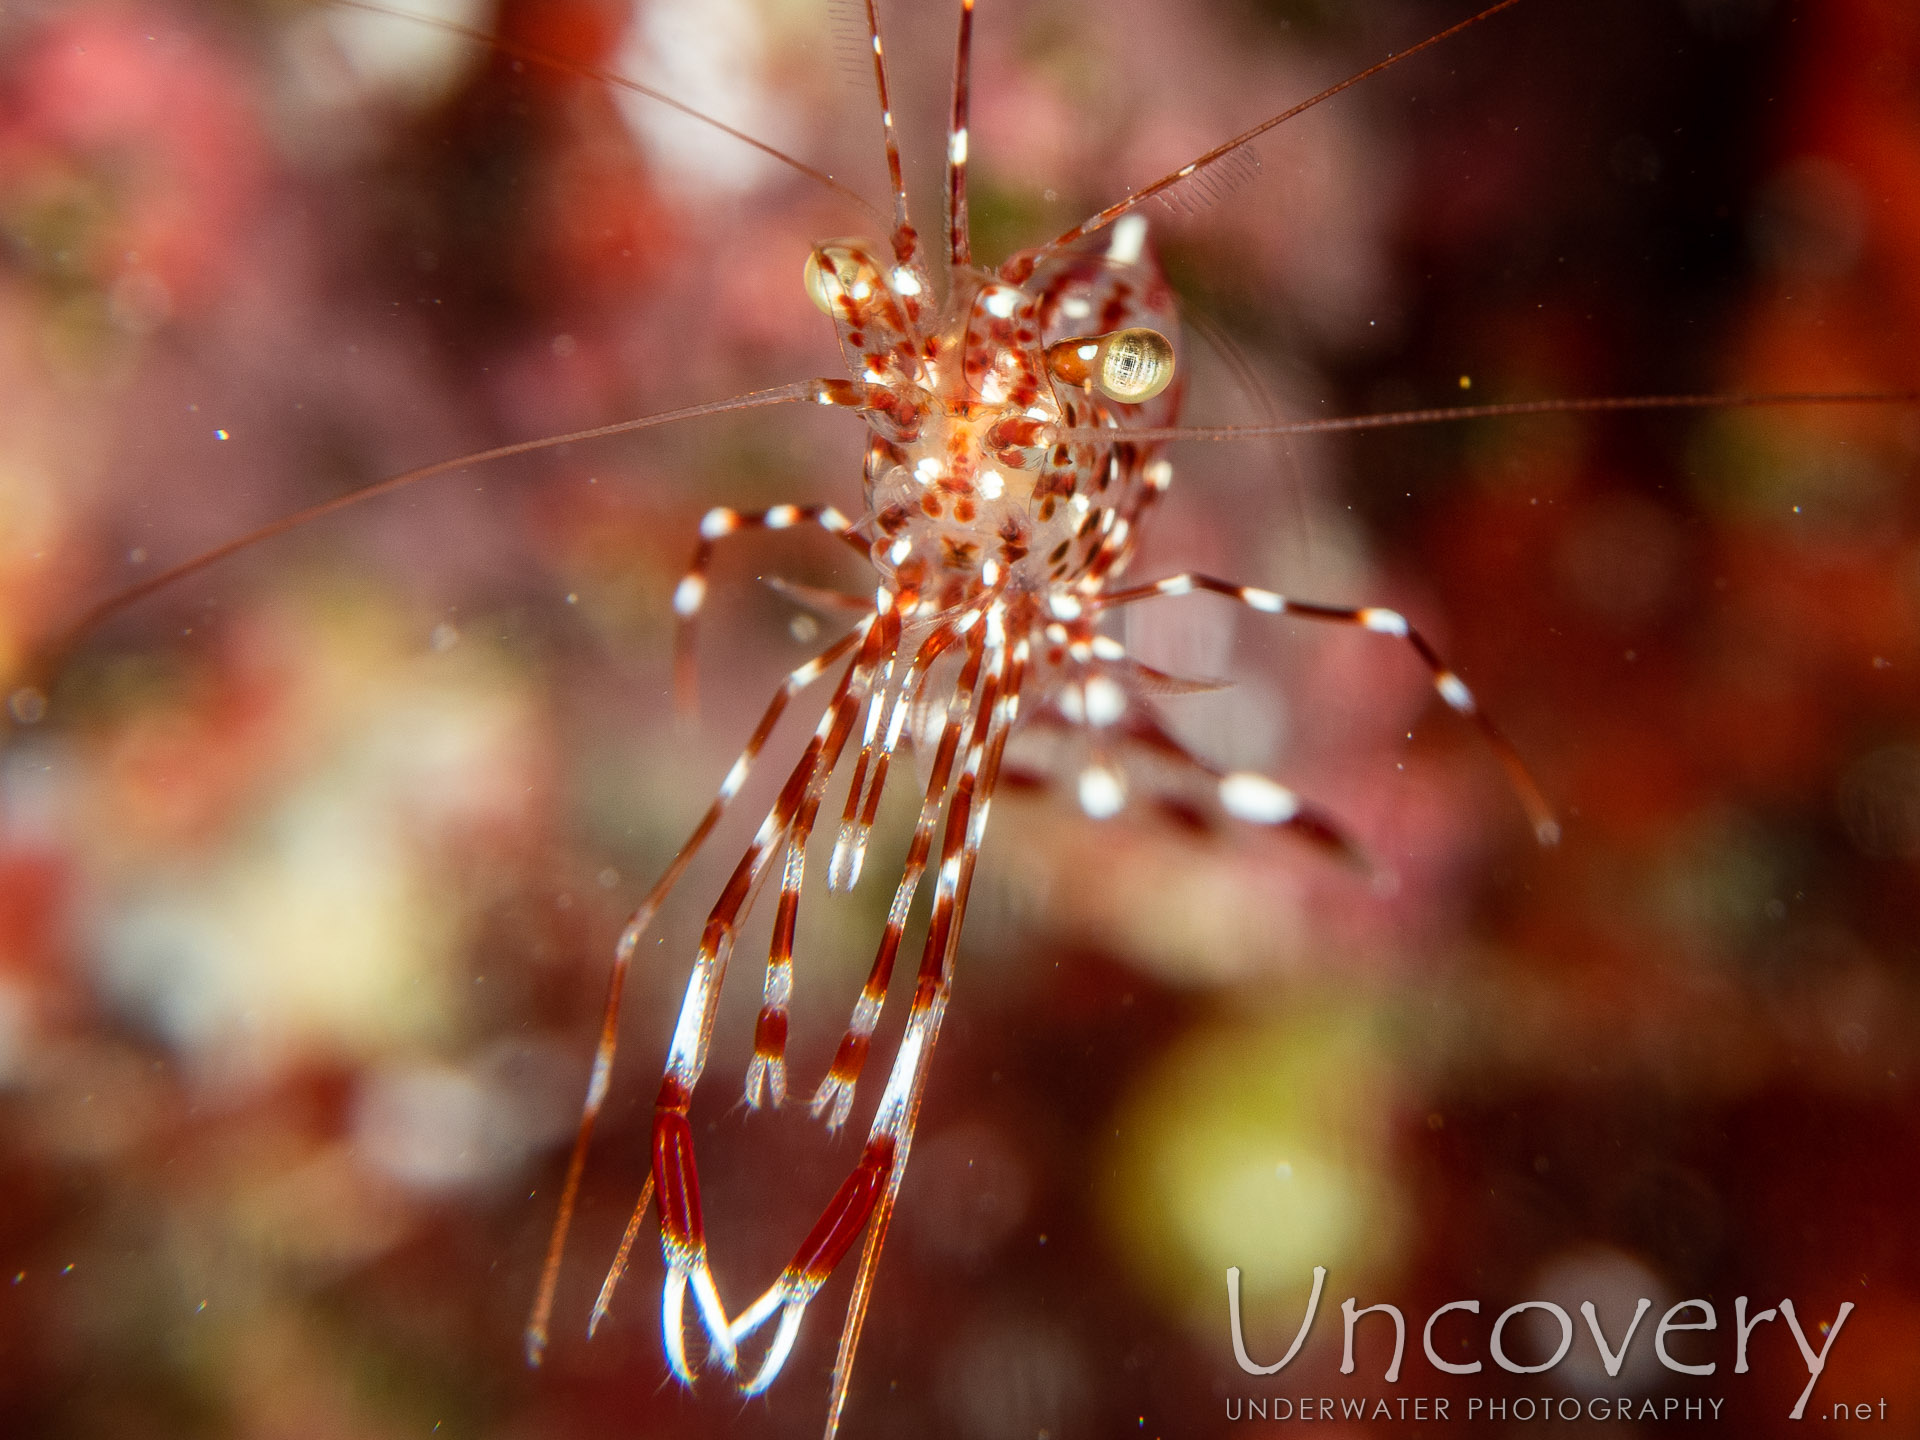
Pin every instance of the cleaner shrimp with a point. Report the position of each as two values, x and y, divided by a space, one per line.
1019 423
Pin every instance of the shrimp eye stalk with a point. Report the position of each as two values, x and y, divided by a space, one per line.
1131 365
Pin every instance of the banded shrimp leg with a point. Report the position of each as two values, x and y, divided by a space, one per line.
867 1197
720 523
675 1175
1380 621
767 1071
836 1091
536 1335
1103 702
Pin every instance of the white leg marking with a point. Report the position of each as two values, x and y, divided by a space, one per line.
673 1304
778 1351
1256 799
1454 691
1102 792
689 594
714 1318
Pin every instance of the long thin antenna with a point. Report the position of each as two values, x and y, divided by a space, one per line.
104 610
1447 413
535 56
1220 152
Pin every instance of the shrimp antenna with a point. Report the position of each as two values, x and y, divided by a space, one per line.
959 242
805 390
536 56
904 240
1442 414
1246 137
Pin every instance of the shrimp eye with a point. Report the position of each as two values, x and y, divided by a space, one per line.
1131 365
1135 365
837 269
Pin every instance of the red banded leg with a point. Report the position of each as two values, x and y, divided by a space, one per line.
1381 621
1245 795
856 821
959 243
690 595
637 923
1101 704
1002 711
767 1071
834 1099
675 1173
866 1199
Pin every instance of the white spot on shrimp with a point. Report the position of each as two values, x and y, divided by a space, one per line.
689 594
1001 302
898 552
1158 474
1076 307
1102 792
992 487
1384 622
1129 239
1106 701
597 1084
1064 607
1256 799
685 1047
1263 600
929 469
1105 647
1454 691
905 281
957 148
716 523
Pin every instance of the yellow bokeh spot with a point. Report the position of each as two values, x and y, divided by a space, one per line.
1262 1147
